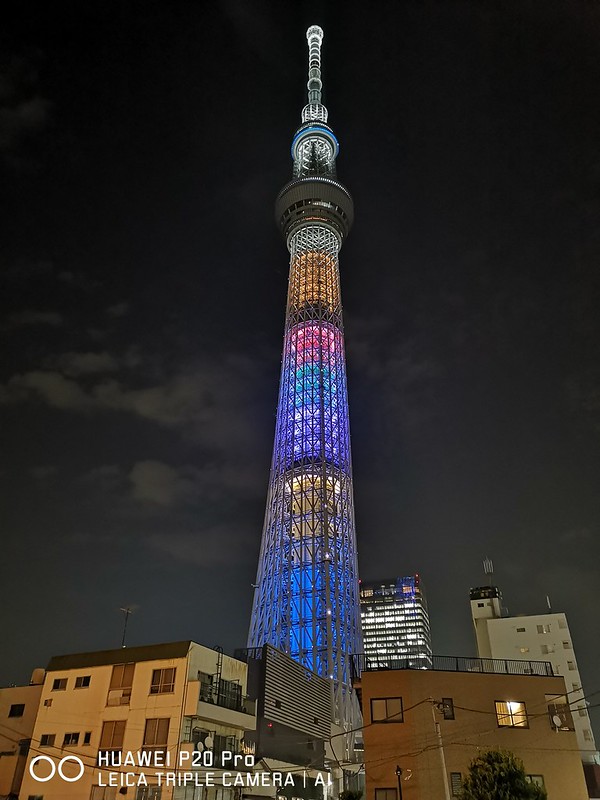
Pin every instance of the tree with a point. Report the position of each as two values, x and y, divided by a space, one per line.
499 775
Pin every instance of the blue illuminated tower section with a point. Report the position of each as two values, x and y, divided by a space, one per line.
306 600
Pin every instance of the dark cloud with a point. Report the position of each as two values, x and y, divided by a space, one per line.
32 317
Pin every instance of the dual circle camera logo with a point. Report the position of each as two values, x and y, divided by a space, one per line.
54 768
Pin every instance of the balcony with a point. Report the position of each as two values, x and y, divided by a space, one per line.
497 666
238 712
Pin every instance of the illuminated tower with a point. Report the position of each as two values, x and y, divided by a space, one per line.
306 598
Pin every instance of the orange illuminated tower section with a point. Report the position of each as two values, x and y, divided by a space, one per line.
306 600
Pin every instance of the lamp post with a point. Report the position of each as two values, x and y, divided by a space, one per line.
399 776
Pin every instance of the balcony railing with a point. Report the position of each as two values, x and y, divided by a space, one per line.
498 666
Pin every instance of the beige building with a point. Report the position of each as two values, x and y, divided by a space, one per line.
130 722
18 710
533 637
431 723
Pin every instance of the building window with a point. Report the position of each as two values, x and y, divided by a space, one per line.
156 734
571 665
47 739
455 783
538 780
386 794
104 793
148 793
59 685
523 649
562 623
87 737
112 735
582 712
480 605
35 797
83 681
519 630
16 710
70 739
546 648
447 708
567 645
163 681
511 714
587 735
543 628
387 709
121 682
206 686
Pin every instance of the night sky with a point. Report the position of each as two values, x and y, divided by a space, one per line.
142 145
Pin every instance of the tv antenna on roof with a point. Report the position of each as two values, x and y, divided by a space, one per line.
488 568
127 611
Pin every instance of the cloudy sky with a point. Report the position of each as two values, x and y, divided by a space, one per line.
143 292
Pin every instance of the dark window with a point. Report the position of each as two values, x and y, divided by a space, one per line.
163 681
70 739
455 783
148 793
82 681
386 794
277 703
386 709
447 708
87 737
17 710
59 685
47 739
538 780
156 734
112 734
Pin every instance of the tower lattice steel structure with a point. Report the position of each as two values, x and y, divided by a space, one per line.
306 599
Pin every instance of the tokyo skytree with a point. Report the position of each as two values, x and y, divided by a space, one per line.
306 600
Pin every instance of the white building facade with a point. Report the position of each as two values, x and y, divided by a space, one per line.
535 637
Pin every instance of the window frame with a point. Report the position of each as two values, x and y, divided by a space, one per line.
50 739
390 718
381 789
159 685
13 711
79 681
447 708
511 714
59 685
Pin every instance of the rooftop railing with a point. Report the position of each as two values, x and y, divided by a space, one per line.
497 666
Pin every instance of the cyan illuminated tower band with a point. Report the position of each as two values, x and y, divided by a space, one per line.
306 599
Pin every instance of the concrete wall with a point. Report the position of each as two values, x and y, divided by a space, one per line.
414 744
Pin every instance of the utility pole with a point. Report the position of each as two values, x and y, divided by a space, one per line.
399 776
435 704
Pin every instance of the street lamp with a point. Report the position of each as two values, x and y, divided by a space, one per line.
399 776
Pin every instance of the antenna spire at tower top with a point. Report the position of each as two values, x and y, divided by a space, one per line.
315 109
314 36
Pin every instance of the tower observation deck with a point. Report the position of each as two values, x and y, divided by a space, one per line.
306 600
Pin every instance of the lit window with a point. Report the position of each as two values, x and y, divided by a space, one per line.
59 685
511 714
387 709
83 681
16 710
543 628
